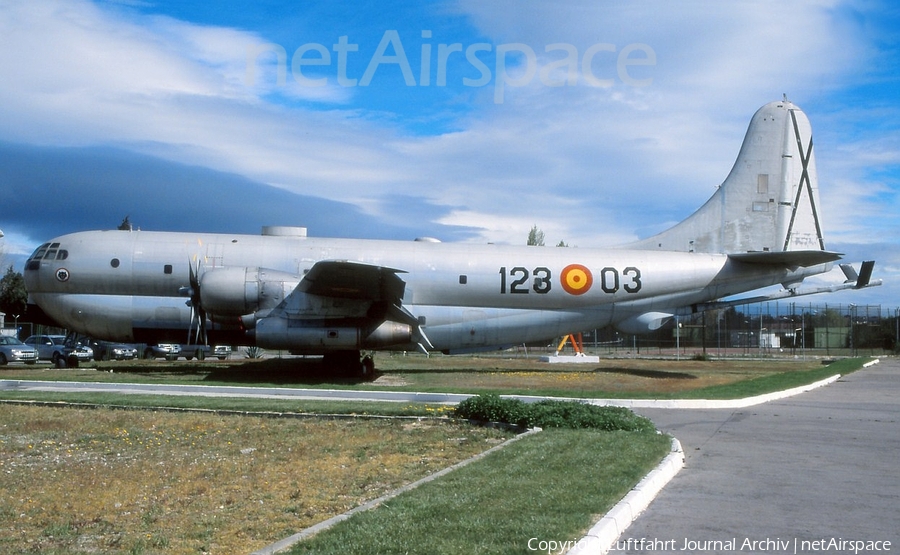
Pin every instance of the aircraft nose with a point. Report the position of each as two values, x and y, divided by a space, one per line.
45 260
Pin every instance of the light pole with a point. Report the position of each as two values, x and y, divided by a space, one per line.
677 339
897 325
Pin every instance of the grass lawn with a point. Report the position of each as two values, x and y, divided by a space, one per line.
112 481
551 485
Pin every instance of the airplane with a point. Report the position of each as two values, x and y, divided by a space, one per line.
339 298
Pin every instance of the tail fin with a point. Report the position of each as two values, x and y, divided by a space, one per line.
770 200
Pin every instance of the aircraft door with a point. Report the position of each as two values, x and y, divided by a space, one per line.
477 329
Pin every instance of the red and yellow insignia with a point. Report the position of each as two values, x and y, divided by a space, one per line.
576 279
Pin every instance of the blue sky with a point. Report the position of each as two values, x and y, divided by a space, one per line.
403 119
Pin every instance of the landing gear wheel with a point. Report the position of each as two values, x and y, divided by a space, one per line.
349 364
367 368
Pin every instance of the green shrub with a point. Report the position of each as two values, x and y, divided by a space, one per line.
551 414
492 408
569 414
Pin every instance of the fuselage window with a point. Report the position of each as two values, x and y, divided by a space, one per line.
463 279
114 262
167 269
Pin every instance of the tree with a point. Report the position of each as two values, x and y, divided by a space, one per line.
13 296
535 237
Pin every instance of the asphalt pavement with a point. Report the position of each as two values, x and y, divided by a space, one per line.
814 473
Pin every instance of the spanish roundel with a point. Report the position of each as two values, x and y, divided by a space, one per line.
576 279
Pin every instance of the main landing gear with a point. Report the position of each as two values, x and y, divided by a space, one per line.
350 363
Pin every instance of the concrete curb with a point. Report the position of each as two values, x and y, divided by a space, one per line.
687 403
718 403
607 530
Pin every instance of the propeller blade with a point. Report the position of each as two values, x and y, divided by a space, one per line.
196 307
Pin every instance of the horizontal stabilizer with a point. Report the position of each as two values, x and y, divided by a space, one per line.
849 273
787 258
859 281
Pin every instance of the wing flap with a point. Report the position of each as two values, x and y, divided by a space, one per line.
787 258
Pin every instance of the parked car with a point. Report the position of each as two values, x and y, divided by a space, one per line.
200 352
221 352
108 350
13 350
168 351
59 349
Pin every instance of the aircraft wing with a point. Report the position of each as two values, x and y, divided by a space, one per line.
336 289
353 280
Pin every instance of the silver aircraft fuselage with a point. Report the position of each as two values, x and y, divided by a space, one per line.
129 285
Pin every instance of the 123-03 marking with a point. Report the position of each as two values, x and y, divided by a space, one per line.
575 279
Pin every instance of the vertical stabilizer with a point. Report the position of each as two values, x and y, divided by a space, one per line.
770 200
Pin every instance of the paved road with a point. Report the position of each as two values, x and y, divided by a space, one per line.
824 465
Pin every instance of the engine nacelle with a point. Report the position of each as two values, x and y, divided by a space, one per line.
643 323
281 333
239 291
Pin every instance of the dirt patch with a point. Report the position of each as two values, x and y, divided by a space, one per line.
390 380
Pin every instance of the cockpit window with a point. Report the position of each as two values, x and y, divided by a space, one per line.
47 251
39 252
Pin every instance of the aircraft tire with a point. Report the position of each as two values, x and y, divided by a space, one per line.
72 361
367 369
343 363
3 361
